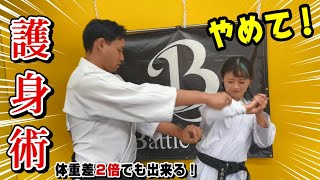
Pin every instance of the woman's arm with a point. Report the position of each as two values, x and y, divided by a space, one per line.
263 130
264 136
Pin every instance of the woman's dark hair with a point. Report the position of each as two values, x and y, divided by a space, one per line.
241 67
97 28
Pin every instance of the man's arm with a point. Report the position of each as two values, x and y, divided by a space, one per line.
191 134
214 100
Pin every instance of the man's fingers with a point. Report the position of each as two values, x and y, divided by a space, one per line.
191 131
193 141
229 98
199 133
219 100
193 134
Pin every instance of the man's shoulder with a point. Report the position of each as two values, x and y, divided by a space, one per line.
81 72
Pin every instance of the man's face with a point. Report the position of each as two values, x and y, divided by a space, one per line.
113 55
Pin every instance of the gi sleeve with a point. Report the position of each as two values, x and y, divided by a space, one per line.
235 108
99 98
149 129
67 123
264 137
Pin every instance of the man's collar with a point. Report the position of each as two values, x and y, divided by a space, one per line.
86 64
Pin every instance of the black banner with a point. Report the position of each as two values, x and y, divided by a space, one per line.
185 58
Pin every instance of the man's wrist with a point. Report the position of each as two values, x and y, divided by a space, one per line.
204 98
179 133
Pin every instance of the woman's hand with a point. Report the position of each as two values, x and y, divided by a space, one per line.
262 101
257 105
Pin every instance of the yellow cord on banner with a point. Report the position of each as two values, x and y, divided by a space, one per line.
184 2
95 8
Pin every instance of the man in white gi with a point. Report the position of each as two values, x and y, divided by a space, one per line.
104 112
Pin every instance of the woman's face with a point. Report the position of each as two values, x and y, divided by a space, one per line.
235 86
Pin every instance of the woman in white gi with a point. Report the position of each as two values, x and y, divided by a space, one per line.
228 133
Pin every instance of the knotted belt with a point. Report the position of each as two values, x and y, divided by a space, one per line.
224 168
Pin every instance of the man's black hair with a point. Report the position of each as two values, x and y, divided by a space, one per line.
106 29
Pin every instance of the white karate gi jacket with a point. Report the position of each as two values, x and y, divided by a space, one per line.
104 112
227 135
